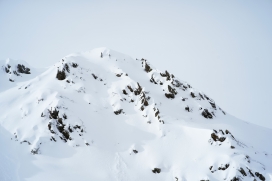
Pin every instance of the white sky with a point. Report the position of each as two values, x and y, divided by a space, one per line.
223 48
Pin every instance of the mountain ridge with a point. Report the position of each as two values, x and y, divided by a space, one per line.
142 124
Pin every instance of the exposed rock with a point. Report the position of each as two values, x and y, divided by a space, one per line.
261 177
156 170
61 75
207 114
170 96
118 111
22 69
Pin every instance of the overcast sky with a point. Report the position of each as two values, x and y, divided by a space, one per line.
223 48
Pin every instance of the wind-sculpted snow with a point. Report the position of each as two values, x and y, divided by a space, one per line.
101 115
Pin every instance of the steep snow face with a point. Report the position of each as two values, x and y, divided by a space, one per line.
13 72
101 115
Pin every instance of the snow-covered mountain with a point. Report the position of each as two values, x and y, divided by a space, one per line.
101 115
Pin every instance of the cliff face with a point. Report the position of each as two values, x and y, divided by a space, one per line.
101 115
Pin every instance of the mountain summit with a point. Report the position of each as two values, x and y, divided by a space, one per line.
101 115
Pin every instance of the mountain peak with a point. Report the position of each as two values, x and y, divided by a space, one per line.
13 72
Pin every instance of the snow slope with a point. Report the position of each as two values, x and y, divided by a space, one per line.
101 115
